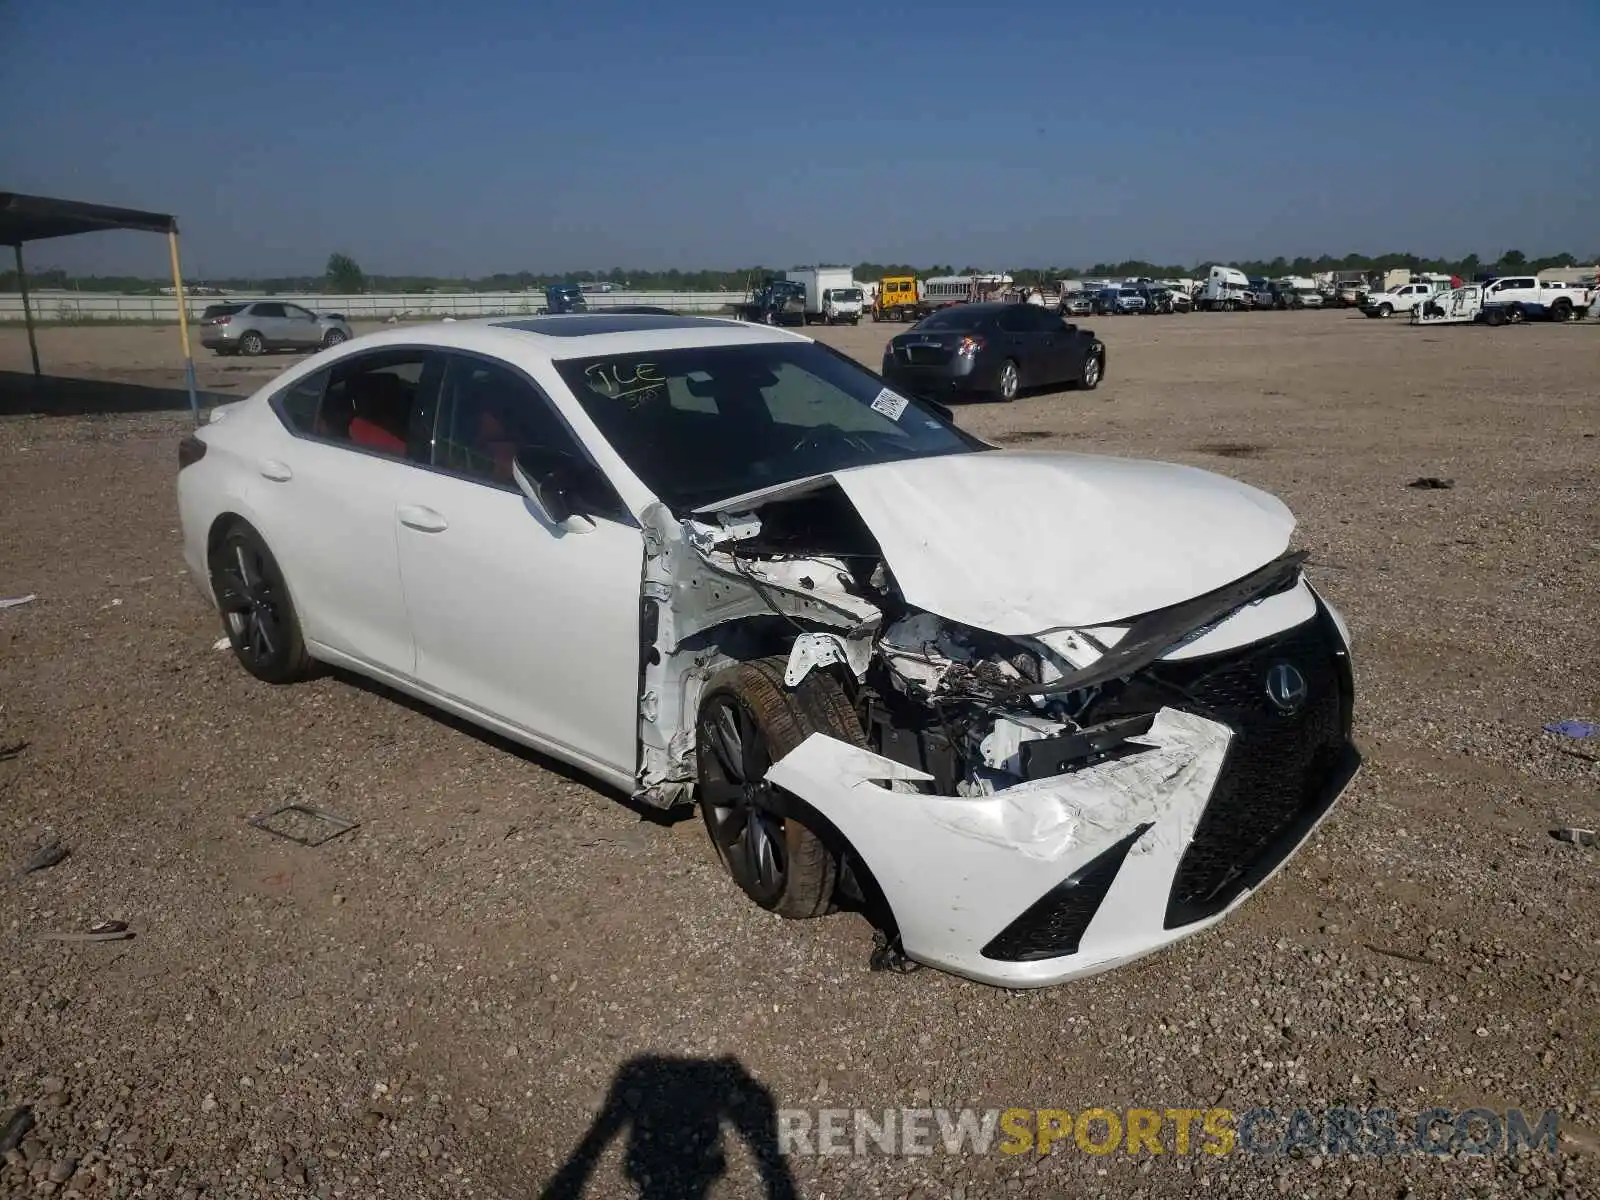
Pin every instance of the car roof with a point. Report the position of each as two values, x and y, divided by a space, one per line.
577 335
592 323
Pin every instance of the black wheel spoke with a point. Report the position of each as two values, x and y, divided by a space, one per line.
766 838
753 761
267 632
726 744
233 594
733 828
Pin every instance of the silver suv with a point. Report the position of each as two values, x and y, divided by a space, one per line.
256 326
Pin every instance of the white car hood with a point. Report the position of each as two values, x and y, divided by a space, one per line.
1020 542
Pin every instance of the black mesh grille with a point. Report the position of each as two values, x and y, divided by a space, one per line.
1053 925
1277 765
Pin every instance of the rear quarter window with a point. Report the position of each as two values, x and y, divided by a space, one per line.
297 404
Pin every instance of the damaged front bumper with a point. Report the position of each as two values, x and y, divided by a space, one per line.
1070 875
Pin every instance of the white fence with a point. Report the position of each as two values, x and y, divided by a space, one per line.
93 306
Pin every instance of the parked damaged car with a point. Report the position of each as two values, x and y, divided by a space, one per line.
1043 713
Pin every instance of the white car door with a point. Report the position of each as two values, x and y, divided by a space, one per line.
300 327
328 497
533 624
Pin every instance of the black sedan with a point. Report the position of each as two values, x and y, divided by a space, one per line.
992 349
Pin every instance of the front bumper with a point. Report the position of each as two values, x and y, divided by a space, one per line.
1079 873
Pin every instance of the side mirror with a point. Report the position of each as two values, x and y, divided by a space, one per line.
551 482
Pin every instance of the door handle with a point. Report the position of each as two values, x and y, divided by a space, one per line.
416 516
276 471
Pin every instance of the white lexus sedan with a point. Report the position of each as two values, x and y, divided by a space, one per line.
1039 713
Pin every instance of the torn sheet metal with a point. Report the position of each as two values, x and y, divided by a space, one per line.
957 870
813 650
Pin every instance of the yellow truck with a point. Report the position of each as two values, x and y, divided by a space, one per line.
897 300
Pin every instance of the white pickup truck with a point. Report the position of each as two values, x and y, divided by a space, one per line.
1528 298
1508 300
1400 299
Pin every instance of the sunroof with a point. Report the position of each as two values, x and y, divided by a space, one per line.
585 324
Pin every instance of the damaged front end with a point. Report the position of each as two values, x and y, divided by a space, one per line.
1030 807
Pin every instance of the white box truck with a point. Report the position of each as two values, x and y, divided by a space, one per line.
832 294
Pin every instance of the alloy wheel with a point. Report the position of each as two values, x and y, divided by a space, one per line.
247 593
1008 381
739 803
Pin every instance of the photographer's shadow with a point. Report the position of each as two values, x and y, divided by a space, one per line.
672 1111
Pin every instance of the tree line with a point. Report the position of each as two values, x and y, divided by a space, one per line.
343 275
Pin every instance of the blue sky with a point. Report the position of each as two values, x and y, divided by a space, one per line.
502 135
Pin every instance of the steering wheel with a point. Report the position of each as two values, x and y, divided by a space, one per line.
831 436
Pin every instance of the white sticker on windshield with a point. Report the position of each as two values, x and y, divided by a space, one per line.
890 405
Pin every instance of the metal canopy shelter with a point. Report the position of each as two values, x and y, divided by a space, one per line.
35 218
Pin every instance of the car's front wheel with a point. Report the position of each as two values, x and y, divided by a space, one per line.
748 720
257 612
1093 368
332 338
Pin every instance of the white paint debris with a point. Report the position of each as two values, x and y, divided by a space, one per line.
18 601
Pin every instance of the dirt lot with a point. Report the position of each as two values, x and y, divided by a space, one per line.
441 1003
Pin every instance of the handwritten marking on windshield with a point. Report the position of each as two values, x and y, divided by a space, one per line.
620 381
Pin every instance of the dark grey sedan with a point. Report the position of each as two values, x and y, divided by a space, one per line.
992 349
256 326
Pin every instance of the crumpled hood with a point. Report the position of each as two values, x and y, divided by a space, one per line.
1020 542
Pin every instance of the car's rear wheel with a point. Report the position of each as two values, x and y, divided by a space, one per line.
252 344
748 720
333 337
1561 311
1009 381
1092 369
256 608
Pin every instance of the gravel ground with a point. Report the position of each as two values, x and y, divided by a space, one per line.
441 1002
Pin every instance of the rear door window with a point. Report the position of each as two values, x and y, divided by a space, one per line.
381 402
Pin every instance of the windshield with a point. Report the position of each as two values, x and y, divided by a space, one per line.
845 294
1307 292
699 425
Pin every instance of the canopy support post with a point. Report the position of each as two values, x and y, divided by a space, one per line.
27 309
183 324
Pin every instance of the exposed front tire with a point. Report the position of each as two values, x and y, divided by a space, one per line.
257 611
748 720
1561 310
252 344
332 338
